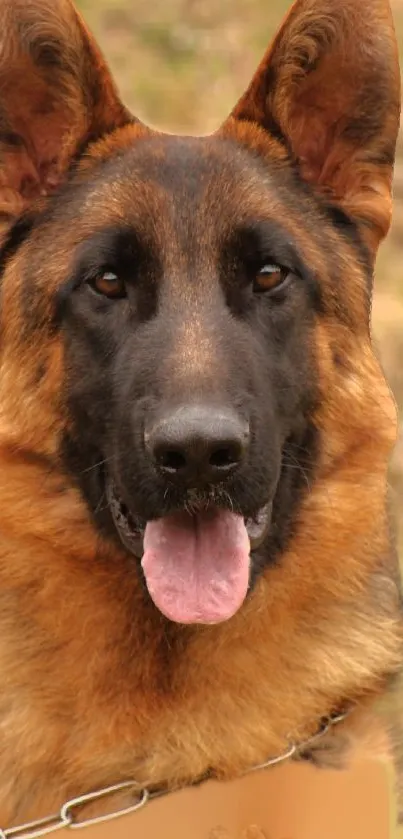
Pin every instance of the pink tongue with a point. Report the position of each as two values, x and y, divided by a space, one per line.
197 567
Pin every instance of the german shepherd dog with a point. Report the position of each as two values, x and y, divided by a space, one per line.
196 565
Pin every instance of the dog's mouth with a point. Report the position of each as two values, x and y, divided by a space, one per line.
196 565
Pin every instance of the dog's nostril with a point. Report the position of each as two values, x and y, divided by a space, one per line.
171 460
223 458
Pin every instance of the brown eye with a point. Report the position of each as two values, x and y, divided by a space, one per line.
109 285
270 277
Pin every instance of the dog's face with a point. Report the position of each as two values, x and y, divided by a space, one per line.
187 319
202 300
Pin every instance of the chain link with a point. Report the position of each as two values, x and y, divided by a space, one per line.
31 830
69 814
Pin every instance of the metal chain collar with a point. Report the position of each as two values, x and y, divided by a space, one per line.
69 814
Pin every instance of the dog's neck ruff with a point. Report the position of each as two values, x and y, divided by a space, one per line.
72 813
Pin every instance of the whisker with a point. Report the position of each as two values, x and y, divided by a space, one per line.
96 465
99 508
286 461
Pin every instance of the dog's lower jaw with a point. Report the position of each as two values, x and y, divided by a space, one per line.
131 529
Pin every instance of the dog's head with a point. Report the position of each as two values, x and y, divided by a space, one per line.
185 321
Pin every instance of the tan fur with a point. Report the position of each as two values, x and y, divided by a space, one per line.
323 627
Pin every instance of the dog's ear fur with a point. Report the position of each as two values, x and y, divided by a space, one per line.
329 89
56 94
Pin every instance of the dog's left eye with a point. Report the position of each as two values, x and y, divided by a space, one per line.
270 277
109 285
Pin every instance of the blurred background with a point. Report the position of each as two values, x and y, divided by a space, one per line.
182 64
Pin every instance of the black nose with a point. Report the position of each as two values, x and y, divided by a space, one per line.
198 443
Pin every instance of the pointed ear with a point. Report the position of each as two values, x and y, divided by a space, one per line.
329 89
56 93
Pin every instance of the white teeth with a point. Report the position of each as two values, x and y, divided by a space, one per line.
258 526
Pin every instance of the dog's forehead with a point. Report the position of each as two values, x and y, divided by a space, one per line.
188 180
181 163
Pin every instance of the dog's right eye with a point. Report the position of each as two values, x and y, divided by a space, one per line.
271 277
109 285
